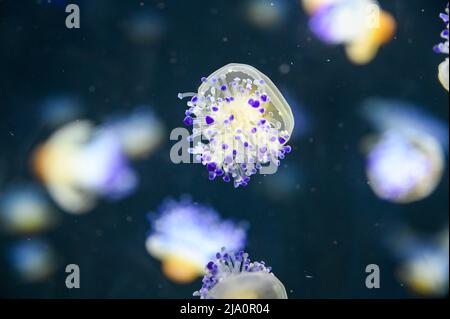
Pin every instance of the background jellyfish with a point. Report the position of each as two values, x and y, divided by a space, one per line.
77 164
234 276
185 236
266 14
405 160
404 168
443 48
423 261
32 260
24 209
244 118
358 24
139 133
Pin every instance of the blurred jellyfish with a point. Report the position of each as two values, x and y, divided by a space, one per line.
139 133
404 168
424 262
145 28
245 119
405 160
360 25
266 14
78 163
311 6
59 109
32 260
234 276
185 236
443 48
389 114
24 209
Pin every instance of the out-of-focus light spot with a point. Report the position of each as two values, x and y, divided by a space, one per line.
185 236
266 14
59 109
32 260
24 209
145 28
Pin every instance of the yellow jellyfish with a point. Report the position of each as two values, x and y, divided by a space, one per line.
245 119
234 276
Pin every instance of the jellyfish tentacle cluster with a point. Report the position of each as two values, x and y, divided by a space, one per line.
443 48
244 118
234 275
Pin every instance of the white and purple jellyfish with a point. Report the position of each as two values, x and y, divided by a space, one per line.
81 162
77 164
405 159
185 236
443 48
404 168
245 119
360 25
235 276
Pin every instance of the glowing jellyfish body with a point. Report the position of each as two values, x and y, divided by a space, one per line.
32 260
360 25
403 168
185 236
24 209
265 14
139 133
244 118
78 163
424 263
234 276
405 159
444 49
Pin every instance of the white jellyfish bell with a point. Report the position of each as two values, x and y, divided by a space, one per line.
234 276
245 119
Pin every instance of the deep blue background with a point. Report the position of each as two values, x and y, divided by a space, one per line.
318 236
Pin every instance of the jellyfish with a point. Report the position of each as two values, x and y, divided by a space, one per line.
443 48
405 157
423 261
79 163
404 168
185 236
139 133
234 276
24 209
360 25
244 118
32 260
